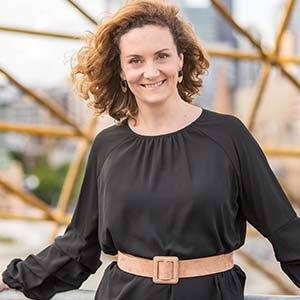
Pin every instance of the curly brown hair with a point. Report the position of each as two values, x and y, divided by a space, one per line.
96 67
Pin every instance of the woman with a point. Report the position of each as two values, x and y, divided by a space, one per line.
171 186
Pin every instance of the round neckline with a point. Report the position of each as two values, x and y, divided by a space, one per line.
168 133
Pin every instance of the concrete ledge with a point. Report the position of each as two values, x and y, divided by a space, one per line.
89 295
74 295
271 297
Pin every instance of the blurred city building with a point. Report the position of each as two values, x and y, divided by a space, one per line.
214 32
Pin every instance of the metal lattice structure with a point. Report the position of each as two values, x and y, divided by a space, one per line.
270 59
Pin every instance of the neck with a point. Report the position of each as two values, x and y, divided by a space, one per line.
163 116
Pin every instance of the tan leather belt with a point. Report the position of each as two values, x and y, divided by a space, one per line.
168 269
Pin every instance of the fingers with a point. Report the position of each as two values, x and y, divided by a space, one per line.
3 286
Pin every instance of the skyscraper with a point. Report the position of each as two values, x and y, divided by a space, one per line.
216 33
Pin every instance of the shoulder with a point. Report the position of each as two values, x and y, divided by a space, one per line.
224 125
112 134
230 133
107 139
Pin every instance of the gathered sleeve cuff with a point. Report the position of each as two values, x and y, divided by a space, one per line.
47 273
72 257
286 245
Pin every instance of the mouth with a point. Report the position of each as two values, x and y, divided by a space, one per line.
154 85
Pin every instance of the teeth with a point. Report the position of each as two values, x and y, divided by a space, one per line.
154 85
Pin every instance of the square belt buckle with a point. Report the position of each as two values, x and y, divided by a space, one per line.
165 269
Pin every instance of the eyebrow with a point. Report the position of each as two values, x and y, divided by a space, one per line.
154 53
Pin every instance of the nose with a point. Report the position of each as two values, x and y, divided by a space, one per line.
151 71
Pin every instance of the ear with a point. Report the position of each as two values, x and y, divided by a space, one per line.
181 60
122 75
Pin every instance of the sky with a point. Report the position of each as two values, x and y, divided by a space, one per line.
46 61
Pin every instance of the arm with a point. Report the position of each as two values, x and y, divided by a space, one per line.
264 203
71 258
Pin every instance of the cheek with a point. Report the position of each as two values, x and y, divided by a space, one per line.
170 71
133 75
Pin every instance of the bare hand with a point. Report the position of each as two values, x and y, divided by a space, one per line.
3 286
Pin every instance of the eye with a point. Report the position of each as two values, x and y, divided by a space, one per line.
134 61
163 55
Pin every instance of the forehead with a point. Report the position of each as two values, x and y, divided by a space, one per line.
146 39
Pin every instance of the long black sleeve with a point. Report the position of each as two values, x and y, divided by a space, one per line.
264 203
72 257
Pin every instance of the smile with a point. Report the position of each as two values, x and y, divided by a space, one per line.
154 85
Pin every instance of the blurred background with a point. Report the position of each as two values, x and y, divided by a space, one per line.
46 130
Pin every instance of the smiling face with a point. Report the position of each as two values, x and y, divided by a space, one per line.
150 63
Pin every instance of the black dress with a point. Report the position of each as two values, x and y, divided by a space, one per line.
186 193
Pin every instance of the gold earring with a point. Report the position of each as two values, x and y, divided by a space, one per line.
180 76
123 86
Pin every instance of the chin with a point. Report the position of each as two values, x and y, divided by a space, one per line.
154 99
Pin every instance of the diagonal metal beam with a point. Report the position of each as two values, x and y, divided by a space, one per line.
282 151
272 59
233 53
13 215
269 59
251 261
282 28
82 11
289 76
223 11
49 104
72 174
283 24
241 55
38 129
262 83
39 33
28 198
288 59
